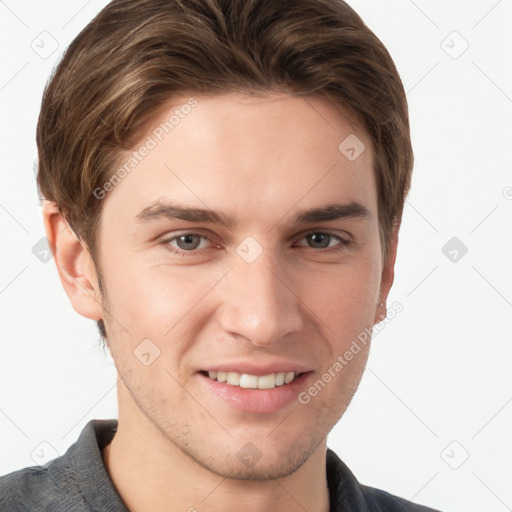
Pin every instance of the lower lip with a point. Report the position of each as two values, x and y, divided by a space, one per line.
256 400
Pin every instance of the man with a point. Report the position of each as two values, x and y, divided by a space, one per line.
224 184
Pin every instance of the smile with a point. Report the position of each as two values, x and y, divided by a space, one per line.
248 381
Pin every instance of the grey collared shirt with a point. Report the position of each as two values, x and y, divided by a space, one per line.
78 482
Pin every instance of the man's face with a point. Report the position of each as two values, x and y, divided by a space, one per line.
267 294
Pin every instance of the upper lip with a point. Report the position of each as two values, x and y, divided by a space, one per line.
253 368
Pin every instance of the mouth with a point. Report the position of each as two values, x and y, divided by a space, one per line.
249 381
248 392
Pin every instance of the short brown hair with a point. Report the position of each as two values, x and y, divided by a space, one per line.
136 55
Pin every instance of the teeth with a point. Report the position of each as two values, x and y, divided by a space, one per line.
233 378
267 381
280 378
247 381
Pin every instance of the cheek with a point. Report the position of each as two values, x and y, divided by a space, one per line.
346 298
157 301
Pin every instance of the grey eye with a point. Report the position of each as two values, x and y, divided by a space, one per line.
188 241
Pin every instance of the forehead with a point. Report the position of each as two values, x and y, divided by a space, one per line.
238 153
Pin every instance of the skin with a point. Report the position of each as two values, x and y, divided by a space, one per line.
260 160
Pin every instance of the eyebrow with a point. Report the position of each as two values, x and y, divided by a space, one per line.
333 211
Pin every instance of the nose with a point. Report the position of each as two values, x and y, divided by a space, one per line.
259 303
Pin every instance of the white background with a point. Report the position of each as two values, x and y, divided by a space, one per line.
439 373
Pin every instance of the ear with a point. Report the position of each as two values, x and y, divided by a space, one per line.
388 274
74 264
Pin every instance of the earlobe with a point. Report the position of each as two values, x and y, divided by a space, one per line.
74 264
388 275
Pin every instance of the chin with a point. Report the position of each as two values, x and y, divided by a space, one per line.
261 470
261 459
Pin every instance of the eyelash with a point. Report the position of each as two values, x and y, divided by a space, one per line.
180 252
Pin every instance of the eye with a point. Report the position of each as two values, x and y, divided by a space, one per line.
189 242
186 242
322 240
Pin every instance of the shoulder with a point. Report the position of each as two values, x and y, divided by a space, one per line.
382 501
28 489
75 481
347 494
